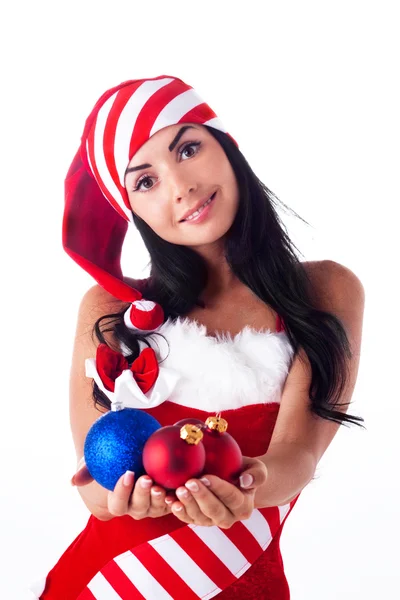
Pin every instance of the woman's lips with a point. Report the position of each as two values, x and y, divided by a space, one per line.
204 213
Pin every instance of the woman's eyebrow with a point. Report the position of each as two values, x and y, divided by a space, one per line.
170 148
179 135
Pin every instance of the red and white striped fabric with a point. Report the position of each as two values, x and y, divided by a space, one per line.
128 118
97 209
191 562
242 377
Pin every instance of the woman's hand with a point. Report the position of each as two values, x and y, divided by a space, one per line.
212 501
207 501
146 499
142 501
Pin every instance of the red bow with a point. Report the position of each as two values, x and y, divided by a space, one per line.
110 365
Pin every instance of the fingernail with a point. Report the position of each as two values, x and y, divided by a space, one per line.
192 486
146 483
182 493
205 481
246 480
168 501
178 507
128 478
155 493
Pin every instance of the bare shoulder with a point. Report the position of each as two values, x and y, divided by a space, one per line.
338 290
332 279
96 303
97 299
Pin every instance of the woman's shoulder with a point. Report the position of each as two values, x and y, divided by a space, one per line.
97 297
313 267
96 301
327 272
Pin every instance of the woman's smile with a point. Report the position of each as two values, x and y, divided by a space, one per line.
200 215
184 184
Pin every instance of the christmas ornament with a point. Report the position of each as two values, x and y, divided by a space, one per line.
114 444
223 455
174 454
197 422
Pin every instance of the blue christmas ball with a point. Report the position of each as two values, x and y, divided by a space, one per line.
114 444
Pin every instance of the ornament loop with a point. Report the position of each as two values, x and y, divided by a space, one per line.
192 434
217 423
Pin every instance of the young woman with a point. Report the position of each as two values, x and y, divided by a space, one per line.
237 325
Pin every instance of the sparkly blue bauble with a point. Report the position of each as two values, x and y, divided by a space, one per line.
114 444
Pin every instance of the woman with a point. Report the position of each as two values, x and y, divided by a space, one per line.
229 311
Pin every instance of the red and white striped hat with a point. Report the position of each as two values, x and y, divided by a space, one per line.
122 120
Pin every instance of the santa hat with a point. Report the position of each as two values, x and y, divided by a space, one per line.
97 210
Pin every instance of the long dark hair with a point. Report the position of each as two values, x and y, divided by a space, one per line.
261 255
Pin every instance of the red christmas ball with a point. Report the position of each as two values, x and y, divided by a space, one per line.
182 422
223 455
174 454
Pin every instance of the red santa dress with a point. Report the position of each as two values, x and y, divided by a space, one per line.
162 559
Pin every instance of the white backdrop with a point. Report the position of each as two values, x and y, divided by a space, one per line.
310 92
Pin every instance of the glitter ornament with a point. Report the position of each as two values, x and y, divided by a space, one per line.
223 455
174 454
114 444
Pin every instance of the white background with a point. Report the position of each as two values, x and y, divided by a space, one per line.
310 92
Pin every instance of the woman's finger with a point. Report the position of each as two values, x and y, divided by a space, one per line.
254 474
118 499
157 501
169 500
81 477
178 509
141 501
192 508
209 504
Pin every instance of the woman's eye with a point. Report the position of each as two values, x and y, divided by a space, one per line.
140 181
184 148
190 145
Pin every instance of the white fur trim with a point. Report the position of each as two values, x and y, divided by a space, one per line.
222 373
128 394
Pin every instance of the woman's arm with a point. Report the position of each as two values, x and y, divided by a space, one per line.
289 469
95 303
300 438
137 498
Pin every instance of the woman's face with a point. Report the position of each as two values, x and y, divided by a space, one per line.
178 169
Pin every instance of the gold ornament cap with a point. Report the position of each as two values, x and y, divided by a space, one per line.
192 434
217 423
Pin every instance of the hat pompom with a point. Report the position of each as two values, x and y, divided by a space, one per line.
144 315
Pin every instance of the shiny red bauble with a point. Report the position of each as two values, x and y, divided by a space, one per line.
223 455
170 460
197 422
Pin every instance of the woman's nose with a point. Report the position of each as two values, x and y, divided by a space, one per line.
181 186
183 191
